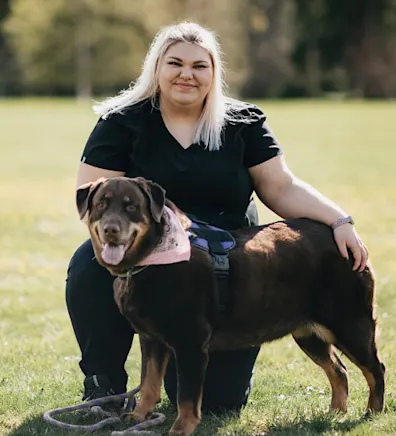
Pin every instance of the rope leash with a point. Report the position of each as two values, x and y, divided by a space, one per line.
136 430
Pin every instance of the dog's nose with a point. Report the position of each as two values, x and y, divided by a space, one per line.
111 229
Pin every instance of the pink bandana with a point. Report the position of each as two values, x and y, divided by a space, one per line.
173 247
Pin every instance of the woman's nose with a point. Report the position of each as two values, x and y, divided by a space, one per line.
186 73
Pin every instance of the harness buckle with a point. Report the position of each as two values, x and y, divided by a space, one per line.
220 263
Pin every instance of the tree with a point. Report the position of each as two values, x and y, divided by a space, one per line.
364 32
9 73
80 45
271 48
270 30
355 38
97 46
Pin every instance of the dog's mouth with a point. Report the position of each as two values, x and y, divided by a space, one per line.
113 254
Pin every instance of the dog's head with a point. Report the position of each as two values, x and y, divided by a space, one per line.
122 213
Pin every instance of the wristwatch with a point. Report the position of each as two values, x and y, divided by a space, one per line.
341 221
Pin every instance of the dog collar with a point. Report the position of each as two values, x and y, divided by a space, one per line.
131 272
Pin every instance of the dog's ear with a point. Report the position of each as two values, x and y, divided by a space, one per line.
156 195
84 195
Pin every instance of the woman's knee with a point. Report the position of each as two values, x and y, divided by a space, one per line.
85 274
81 259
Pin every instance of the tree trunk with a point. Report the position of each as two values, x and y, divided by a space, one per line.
10 78
270 43
83 53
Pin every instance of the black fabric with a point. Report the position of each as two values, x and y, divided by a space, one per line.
103 334
228 380
205 183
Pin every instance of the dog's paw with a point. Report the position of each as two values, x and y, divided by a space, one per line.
182 427
173 431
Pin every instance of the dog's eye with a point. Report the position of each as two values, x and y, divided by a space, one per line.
101 205
130 207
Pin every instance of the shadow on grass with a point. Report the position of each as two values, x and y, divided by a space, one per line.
315 426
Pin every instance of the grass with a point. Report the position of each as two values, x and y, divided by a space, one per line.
345 149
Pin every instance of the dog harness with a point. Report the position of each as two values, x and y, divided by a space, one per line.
218 243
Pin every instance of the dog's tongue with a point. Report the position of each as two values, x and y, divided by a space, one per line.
113 254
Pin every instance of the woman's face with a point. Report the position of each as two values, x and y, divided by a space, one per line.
185 74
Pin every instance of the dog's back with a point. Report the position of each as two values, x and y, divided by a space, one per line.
286 276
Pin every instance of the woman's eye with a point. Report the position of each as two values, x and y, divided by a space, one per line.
199 67
174 63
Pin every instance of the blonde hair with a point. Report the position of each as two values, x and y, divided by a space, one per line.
215 111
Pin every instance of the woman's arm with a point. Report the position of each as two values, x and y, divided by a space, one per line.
289 197
88 173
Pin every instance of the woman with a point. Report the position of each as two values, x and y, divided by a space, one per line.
176 127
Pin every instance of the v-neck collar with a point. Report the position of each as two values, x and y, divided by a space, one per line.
170 135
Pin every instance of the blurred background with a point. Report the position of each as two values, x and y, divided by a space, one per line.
272 48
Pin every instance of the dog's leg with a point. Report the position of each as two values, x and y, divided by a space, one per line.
323 355
191 367
154 362
358 343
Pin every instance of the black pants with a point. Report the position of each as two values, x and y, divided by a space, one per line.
105 338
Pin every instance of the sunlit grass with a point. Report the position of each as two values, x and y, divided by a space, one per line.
345 149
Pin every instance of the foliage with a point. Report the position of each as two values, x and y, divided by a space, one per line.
57 40
272 48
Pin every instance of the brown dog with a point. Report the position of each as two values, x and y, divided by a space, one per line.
286 277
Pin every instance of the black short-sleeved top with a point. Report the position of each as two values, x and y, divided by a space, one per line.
214 186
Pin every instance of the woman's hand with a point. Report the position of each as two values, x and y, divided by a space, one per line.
347 237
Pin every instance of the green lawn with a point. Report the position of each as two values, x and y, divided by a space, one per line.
345 149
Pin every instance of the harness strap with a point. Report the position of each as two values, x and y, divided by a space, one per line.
220 263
